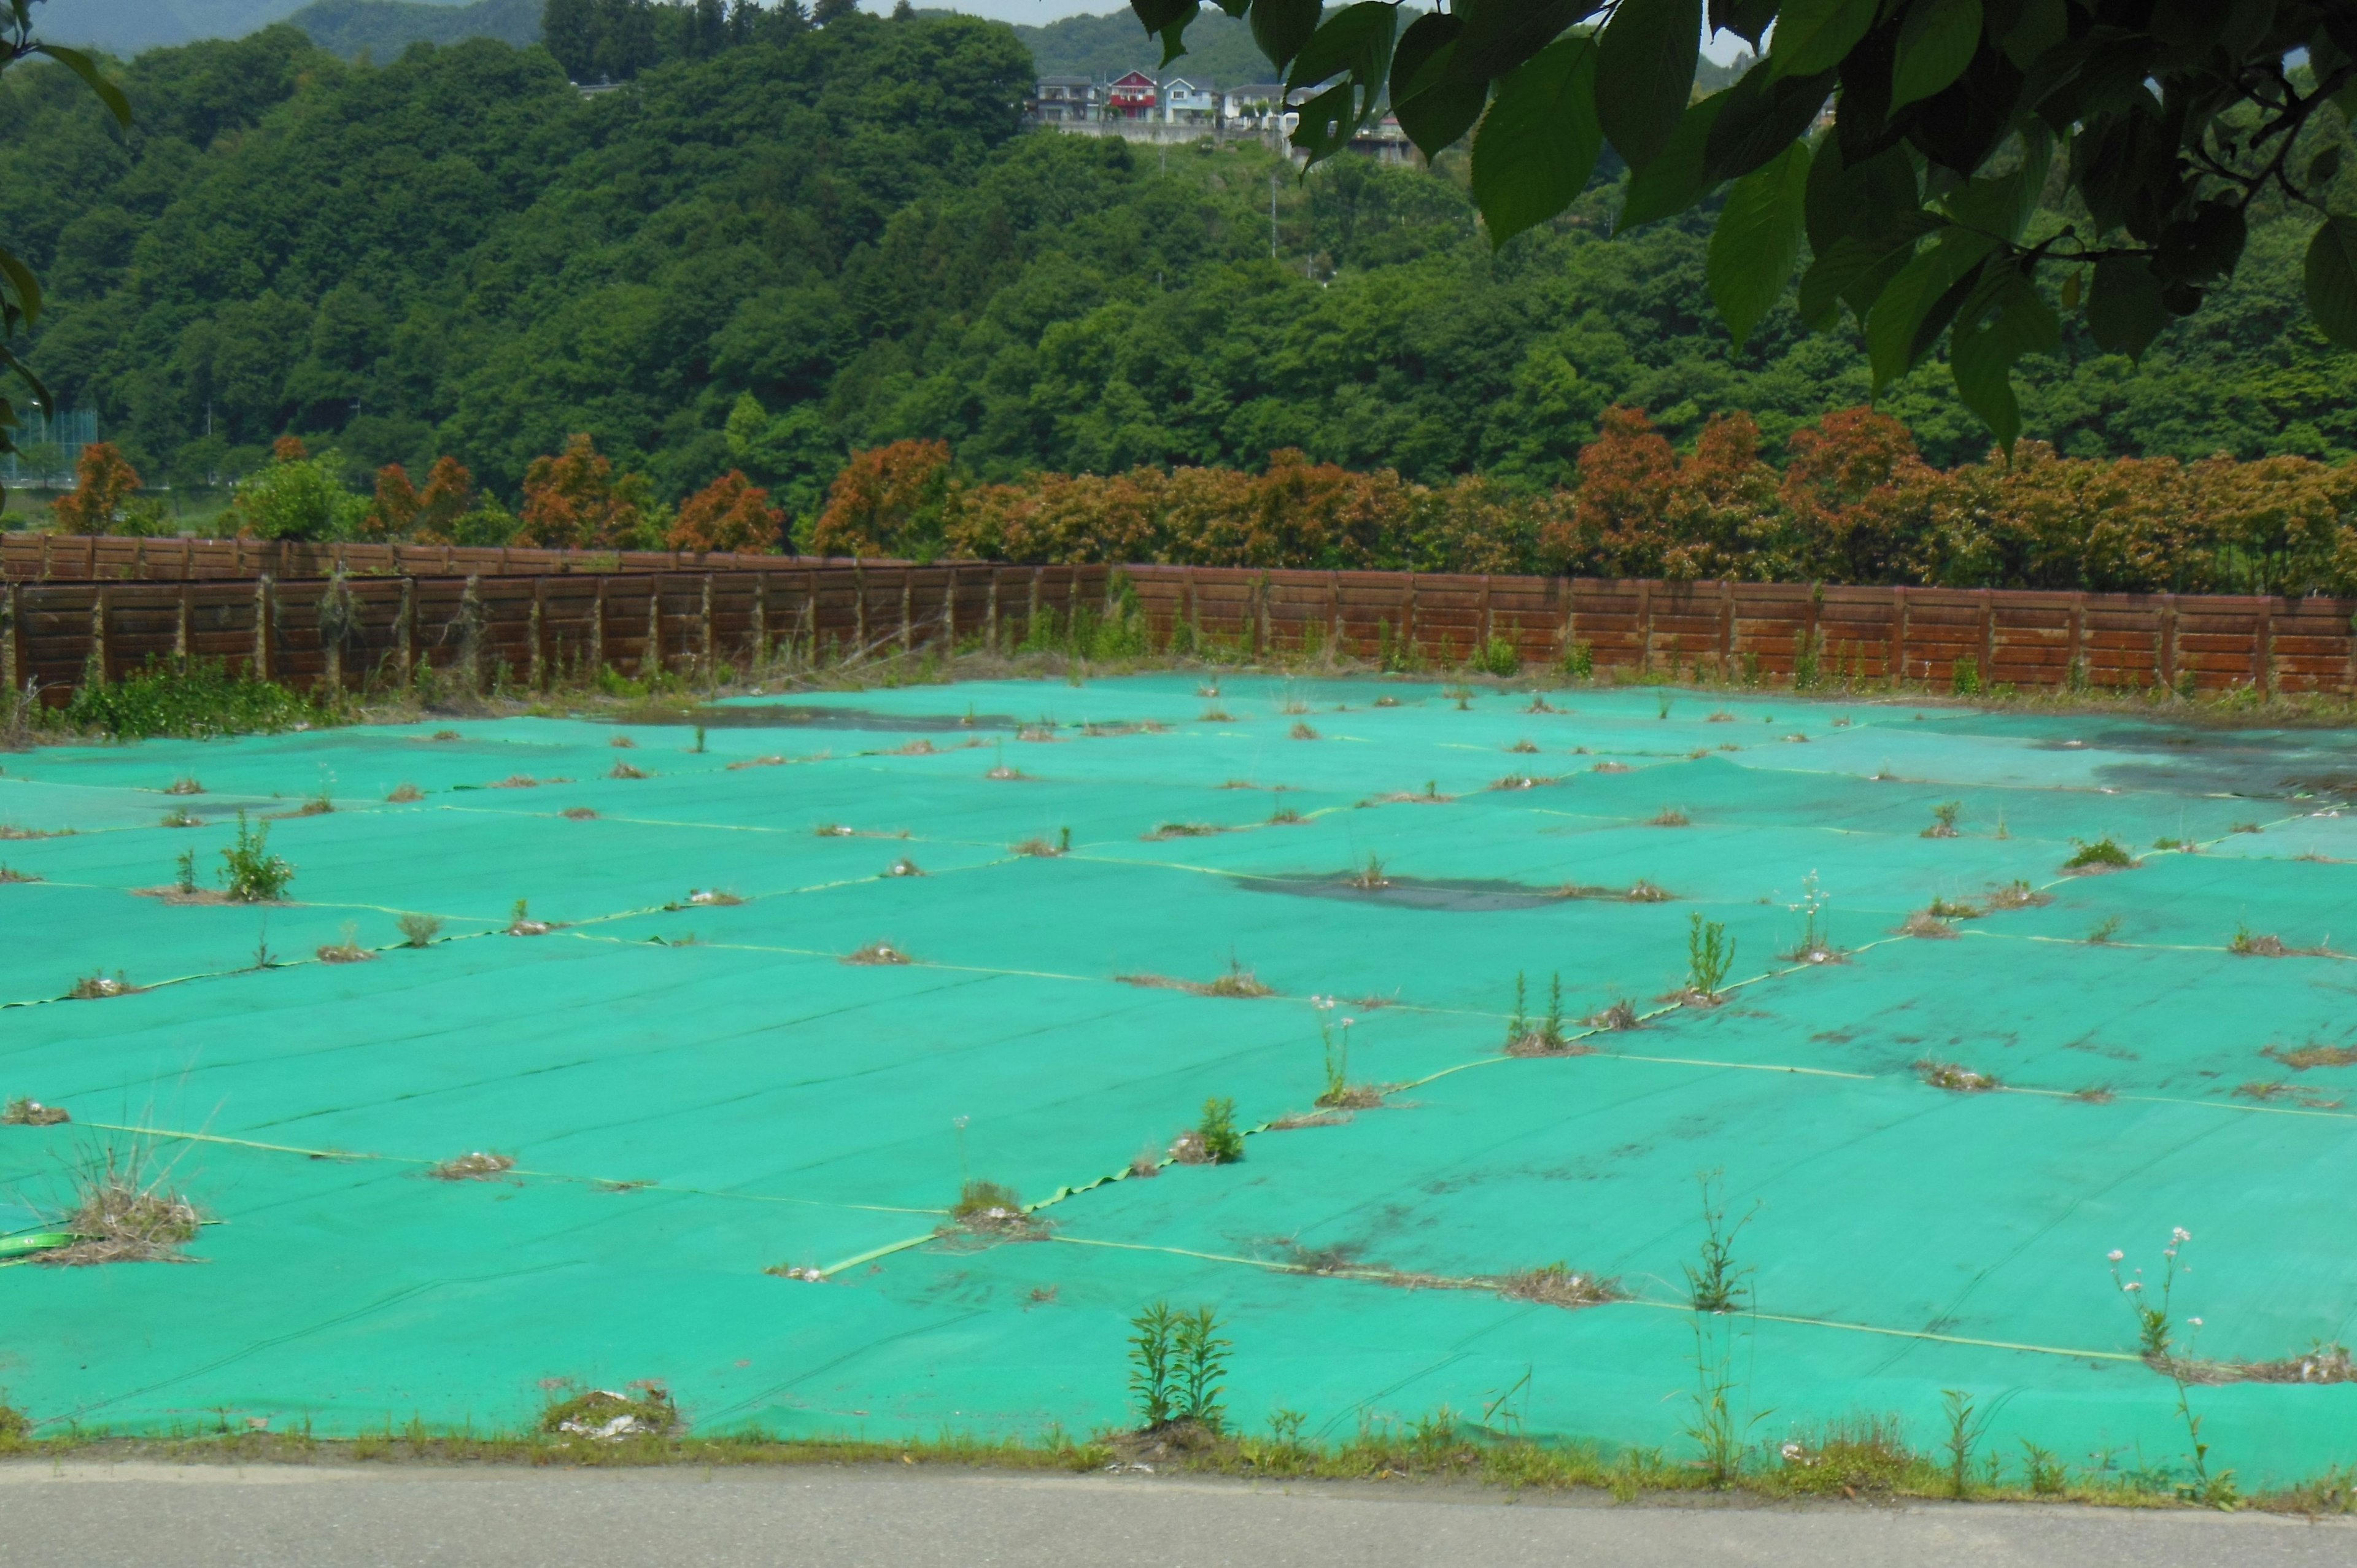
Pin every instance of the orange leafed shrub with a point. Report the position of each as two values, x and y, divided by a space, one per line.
731 513
574 501
448 495
288 449
392 513
104 481
887 500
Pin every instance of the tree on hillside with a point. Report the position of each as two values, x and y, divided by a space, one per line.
574 501
2163 123
730 513
104 483
20 291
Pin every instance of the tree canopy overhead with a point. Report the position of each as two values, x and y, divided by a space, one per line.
2154 126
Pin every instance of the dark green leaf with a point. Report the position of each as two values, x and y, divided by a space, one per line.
1499 36
1281 27
1747 19
1938 40
1539 142
1762 114
1812 35
1327 122
23 284
1875 199
1985 381
2323 167
1435 108
1837 270
1644 74
1174 37
82 65
1757 239
2037 25
2005 318
1923 294
2332 279
1674 181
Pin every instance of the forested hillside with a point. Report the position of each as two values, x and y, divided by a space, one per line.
830 238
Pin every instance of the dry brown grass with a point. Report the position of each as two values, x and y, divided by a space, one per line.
124 1207
2300 1058
518 781
97 986
23 1112
1238 982
1182 830
1557 1284
1925 924
2017 896
1643 892
184 785
1955 1079
877 953
578 814
1619 1016
1302 730
348 951
1669 817
404 794
1610 767
623 743
624 770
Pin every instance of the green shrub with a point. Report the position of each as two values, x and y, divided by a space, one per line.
253 875
204 702
1222 1145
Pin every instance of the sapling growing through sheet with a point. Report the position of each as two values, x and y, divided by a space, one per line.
1710 955
253 875
1222 1145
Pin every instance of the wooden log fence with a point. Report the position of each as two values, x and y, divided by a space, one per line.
489 624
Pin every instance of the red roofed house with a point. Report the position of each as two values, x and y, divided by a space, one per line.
1133 97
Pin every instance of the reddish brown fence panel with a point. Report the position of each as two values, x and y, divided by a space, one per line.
525 620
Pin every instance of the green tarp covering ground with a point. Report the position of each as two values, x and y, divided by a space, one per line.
697 1092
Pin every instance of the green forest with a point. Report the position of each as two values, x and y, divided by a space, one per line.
814 239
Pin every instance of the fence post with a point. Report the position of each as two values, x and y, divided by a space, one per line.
598 629
1031 615
12 648
650 659
2164 640
908 603
184 627
537 674
266 638
711 650
404 632
990 610
2078 636
471 632
2262 648
95 668
1895 671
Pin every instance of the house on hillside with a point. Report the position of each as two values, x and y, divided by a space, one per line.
1256 106
1186 103
1131 97
1061 100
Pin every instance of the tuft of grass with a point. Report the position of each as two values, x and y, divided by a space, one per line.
2104 930
348 951
1302 730
1370 876
904 866
2017 895
605 1415
1924 923
1954 910
1719 717
2099 855
185 784
1518 782
2246 828
578 814
480 1165
1216 1133
406 794
624 770
1182 830
419 930
1643 892
1610 767
1042 849
252 873
521 924
96 986
1669 817
10 873
1285 817
623 743
181 817
1524 747
21 1112
877 953
1943 819
987 1209
1958 1079
446 734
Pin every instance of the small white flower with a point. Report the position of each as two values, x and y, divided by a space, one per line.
2115 1254
1347 1022
2180 1233
2195 1321
2132 1286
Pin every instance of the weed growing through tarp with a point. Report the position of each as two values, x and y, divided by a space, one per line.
2156 1342
521 924
1943 819
418 930
95 986
406 794
608 1415
1710 958
1177 1368
1714 1281
877 953
1923 923
2104 930
199 704
1545 1038
1816 945
1370 877
1559 1284
252 874
1214 1140
178 817
184 873
2300 1058
1954 1078
624 770
123 1206
21 1112
2095 855
989 1209
348 951
1669 817
1716 1291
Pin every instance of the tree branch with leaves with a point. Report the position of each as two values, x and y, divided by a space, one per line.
1901 145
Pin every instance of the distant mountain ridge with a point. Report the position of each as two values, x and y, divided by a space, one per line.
385 28
1218 48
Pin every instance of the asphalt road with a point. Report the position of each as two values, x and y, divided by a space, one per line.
157 1516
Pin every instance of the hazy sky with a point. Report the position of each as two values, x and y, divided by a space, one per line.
1724 48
